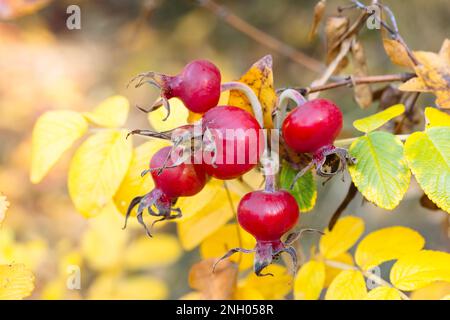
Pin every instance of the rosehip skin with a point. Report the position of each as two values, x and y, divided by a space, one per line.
268 215
184 180
312 126
198 86
233 130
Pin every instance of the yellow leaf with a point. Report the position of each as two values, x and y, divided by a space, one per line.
348 285
332 272
260 78
272 288
112 287
435 291
111 113
204 213
245 293
133 184
384 293
436 118
387 244
97 170
178 116
226 238
376 120
419 269
16 282
4 204
433 71
343 236
30 253
53 134
144 252
193 295
103 243
309 281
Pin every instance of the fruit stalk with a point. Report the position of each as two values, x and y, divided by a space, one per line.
251 96
283 100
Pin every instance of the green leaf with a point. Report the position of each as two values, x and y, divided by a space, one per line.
304 190
428 156
381 173
376 120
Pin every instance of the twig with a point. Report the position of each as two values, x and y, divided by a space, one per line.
350 81
262 37
230 200
393 31
352 191
347 142
369 275
345 47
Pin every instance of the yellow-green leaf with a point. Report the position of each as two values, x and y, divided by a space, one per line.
97 170
417 270
348 285
178 116
377 120
16 282
436 118
304 190
387 244
310 281
226 238
428 156
343 236
53 133
381 173
272 288
134 184
159 252
111 113
384 293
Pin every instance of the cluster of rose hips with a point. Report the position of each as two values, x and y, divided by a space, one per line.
268 214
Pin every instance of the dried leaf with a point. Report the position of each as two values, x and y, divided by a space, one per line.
397 53
11 9
260 78
363 92
319 10
335 27
444 53
219 285
433 75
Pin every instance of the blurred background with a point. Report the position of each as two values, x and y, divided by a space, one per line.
44 66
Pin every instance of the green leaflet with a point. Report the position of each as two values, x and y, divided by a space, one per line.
381 173
428 156
376 120
304 190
